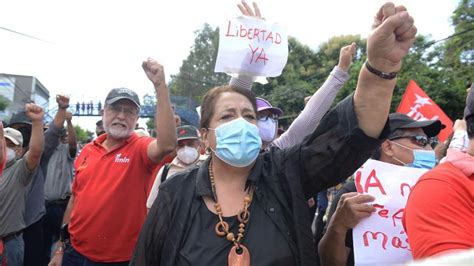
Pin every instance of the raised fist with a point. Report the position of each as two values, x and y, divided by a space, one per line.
63 101
34 112
345 56
155 72
393 33
68 116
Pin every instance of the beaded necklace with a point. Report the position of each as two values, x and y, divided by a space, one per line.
239 254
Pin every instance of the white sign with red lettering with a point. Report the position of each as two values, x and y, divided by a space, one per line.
252 47
380 239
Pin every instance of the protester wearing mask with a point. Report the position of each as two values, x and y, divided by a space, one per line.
17 175
317 105
35 251
438 217
267 121
409 144
187 156
242 208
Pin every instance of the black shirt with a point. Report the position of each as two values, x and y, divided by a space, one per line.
284 180
266 245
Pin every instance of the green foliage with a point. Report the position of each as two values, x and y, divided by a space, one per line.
196 74
442 69
4 102
83 135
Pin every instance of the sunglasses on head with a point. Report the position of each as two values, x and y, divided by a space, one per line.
419 140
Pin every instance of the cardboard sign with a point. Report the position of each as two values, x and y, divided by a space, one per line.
251 47
380 239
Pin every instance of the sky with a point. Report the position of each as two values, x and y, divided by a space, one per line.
93 46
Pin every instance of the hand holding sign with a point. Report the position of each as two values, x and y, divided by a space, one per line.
247 10
351 208
250 46
381 239
393 33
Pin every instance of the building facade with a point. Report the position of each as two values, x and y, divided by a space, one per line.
19 90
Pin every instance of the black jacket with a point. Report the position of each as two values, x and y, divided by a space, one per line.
284 180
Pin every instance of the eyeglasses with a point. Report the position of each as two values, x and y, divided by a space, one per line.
266 117
128 111
419 140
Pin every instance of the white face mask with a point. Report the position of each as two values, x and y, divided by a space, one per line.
187 154
267 129
11 155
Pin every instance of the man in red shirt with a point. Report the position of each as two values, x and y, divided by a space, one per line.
107 207
439 214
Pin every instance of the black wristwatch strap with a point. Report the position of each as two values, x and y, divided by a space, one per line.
379 73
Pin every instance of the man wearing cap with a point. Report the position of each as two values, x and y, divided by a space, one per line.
187 156
409 144
35 251
267 121
99 128
439 216
13 183
58 180
108 203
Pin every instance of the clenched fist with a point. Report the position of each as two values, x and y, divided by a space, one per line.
68 116
34 112
155 72
63 101
393 33
345 56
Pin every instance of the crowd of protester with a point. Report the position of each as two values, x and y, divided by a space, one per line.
236 190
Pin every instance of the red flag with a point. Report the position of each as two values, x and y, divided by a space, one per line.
418 105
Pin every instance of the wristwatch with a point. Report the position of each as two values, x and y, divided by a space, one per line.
384 75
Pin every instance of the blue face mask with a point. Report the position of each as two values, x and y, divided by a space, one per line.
421 158
238 142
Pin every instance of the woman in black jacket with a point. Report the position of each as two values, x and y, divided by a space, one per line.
242 208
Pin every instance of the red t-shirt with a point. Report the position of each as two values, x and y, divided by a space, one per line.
110 193
439 213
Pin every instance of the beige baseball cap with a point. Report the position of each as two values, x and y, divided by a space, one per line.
13 135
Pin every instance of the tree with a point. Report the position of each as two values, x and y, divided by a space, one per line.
4 102
196 75
443 70
83 135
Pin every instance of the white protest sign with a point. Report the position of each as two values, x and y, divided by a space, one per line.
252 47
380 239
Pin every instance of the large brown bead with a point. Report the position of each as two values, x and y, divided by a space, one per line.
230 236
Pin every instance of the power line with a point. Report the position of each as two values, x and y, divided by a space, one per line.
25 35
449 37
